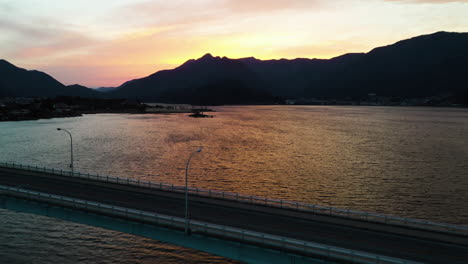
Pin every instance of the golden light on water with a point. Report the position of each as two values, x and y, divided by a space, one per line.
405 161
354 157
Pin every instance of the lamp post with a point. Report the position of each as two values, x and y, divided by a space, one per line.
71 147
186 190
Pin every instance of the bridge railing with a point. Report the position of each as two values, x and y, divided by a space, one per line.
202 228
257 200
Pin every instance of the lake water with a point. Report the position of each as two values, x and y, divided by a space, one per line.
410 162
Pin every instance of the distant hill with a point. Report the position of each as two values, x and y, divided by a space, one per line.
80 90
205 80
423 66
18 82
105 89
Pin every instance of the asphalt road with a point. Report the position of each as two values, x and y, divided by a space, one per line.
362 236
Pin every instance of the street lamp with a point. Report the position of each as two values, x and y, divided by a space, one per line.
71 147
186 190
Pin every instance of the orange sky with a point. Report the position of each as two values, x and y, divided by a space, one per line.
105 43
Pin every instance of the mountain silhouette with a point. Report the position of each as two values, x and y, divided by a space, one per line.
205 80
420 67
104 89
423 66
18 82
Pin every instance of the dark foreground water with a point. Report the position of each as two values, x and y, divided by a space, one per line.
409 162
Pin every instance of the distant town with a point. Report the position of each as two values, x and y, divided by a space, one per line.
33 108
373 99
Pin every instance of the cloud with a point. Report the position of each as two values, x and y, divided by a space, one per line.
112 41
255 6
4 7
23 29
66 42
163 13
96 75
37 39
428 1
326 49
187 15
112 62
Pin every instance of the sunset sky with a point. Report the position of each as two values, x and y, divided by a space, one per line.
105 43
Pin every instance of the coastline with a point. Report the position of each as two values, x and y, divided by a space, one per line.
14 118
22 109
41 116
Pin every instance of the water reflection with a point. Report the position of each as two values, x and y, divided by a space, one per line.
400 161
370 158
28 238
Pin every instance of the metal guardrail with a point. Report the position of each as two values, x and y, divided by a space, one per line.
263 201
208 229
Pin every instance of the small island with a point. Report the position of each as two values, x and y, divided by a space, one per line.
200 112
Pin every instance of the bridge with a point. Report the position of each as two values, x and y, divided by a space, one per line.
246 228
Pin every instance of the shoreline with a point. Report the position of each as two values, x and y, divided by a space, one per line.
81 113
34 117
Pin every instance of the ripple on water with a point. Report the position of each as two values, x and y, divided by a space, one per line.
408 162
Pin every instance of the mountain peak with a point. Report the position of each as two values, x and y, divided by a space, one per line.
205 59
6 63
207 56
19 82
77 86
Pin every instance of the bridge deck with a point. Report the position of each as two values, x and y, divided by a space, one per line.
399 242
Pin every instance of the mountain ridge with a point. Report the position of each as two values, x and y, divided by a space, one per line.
406 68
422 66
19 82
